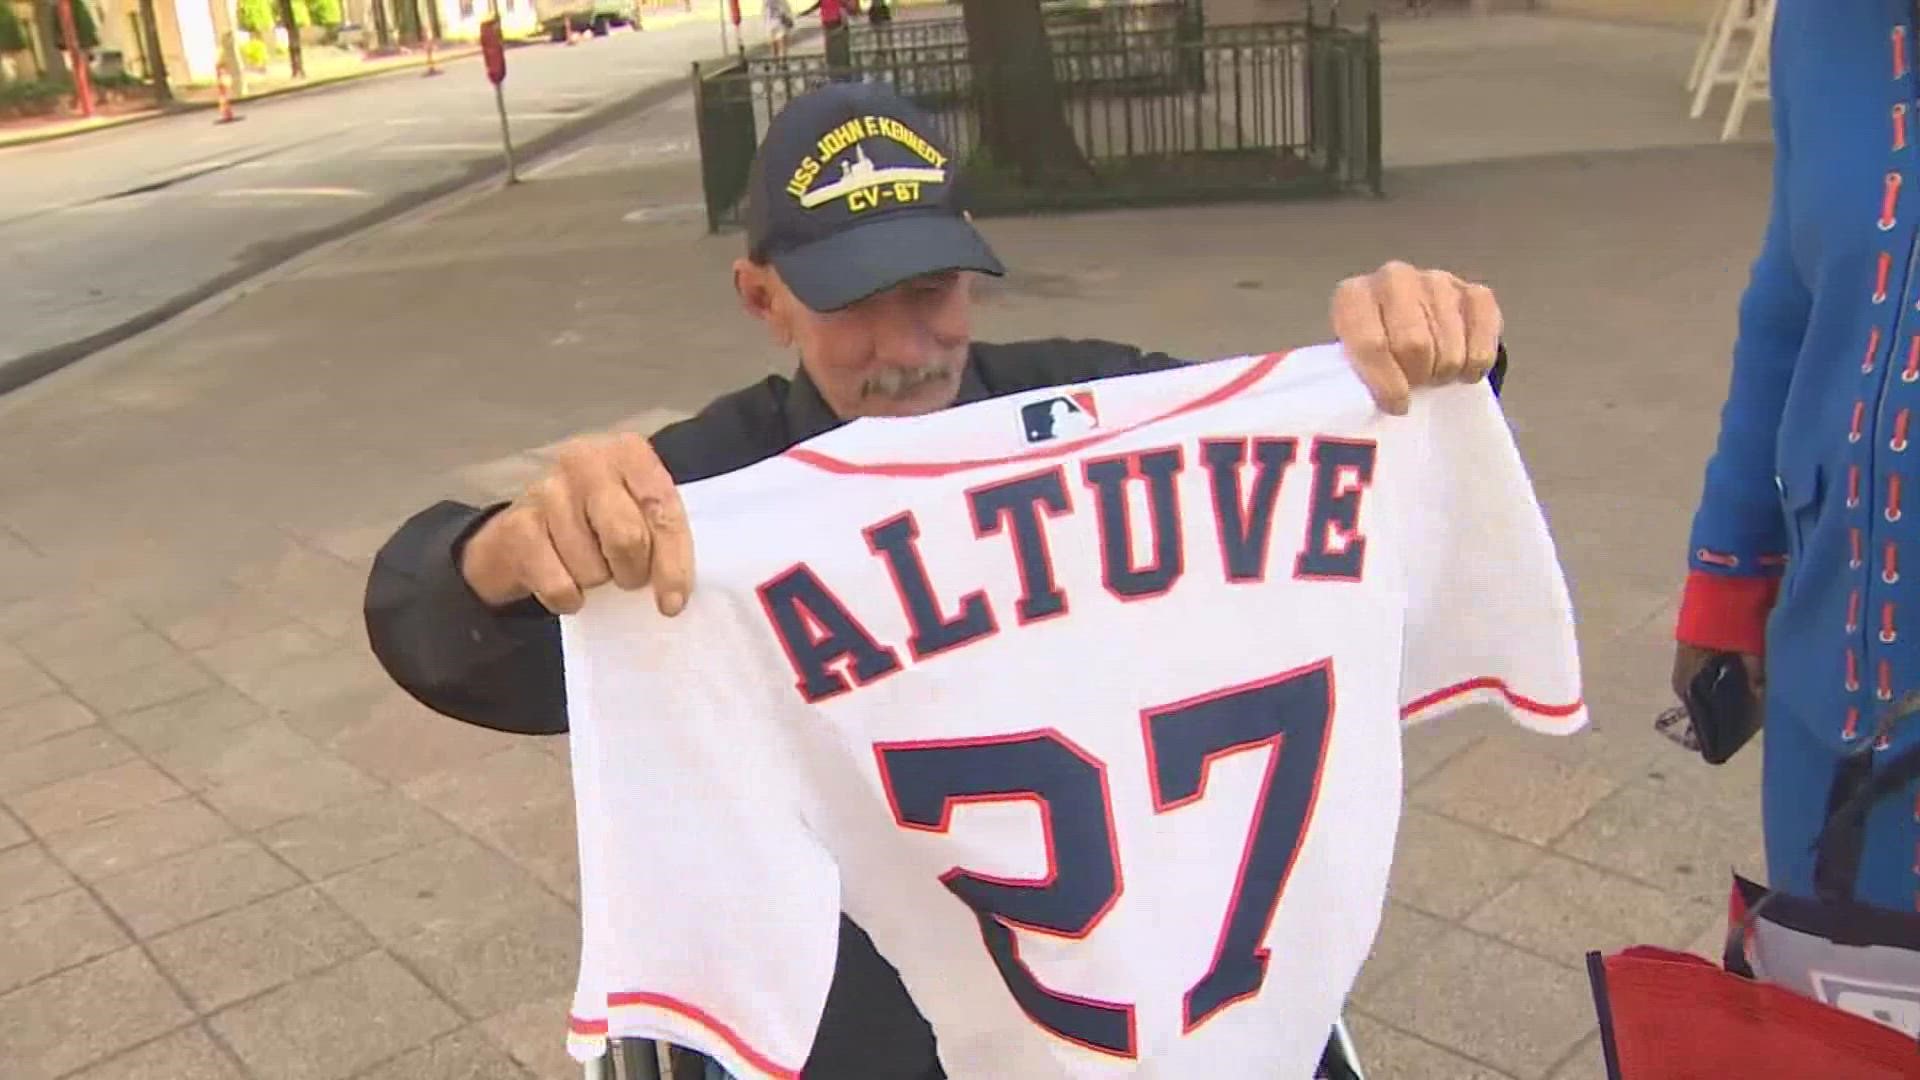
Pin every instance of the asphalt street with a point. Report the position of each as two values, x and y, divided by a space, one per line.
106 233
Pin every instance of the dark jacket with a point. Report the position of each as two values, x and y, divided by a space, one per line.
501 669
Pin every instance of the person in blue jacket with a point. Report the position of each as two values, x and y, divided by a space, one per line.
1805 550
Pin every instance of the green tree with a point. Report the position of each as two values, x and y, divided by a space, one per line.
325 12
13 36
255 16
82 25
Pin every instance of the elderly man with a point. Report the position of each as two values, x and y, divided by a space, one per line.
861 260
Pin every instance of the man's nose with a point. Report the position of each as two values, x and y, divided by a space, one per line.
901 339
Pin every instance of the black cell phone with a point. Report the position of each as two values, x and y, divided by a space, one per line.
1721 704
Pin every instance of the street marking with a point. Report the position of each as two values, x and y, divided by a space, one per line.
441 148
295 193
548 166
659 213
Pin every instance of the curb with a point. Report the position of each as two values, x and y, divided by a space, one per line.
28 367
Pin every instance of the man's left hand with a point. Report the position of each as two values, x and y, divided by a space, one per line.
1406 327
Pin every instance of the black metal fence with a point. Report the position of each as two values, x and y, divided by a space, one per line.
1163 114
1116 18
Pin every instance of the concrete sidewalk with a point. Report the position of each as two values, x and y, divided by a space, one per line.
229 848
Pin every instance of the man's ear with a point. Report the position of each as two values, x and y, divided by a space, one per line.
759 291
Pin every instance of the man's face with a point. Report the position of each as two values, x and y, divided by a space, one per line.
898 353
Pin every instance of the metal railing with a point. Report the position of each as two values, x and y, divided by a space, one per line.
1179 113
1060 19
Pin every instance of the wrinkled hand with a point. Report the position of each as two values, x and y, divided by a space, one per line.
1406 327
606 511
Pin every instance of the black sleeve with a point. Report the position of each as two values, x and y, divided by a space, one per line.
502 668
499 668
1029 365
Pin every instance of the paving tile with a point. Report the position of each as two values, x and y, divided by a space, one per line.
455 882
24 681
1387 1053
354 834
41 718
263 649
86 1015
510 784
97 661
32 615
1589 1062
202 715
1426 747
60 758
43 936
140 688
258 947
466 1054
11 831
299 571
545 845
271 796
215 757
314 680
1678 845
401 740
1489 1002
131 841
520 952
325 721
1404 936
192 886
215 619
28 873
1619 741
1563 908
77 633
93 797
534 1034
335 1024
1732 788
187 1054
1507 786
1448 869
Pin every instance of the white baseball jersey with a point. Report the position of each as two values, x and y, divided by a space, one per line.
1084 703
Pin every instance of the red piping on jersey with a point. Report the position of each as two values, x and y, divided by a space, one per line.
1233 387
699 1016
1490 682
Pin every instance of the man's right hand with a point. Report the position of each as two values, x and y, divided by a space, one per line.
606 511
1690 660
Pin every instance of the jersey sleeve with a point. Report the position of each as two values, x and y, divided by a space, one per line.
710 909
1489 619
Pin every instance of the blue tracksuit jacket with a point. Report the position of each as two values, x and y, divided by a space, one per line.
1808 529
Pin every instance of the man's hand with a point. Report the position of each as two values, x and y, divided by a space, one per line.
607 511
1690 660
1406 327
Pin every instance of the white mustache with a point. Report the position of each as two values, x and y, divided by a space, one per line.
894 382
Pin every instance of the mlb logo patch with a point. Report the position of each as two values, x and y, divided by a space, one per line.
1069 414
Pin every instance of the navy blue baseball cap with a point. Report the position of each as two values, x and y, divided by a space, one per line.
852 192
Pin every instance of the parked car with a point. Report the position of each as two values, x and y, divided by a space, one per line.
599 16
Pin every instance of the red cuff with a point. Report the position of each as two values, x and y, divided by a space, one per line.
1725 613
